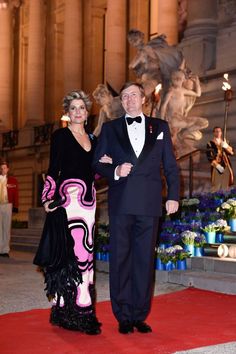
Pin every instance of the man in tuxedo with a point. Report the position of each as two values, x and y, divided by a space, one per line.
138 146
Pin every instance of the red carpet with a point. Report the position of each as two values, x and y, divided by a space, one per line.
182 320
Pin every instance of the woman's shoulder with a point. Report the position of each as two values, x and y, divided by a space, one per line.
60 133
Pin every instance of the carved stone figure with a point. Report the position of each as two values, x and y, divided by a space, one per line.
185 129
157 62
111 107
154 61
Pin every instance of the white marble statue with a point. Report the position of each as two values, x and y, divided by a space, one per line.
175 108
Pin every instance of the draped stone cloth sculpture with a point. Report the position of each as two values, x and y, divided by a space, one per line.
158 62
154 61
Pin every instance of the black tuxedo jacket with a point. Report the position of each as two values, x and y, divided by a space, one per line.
140 193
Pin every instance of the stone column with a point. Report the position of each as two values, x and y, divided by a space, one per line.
139 19
115 59
199 43
72 45
6 63
36 64
202 18
167 19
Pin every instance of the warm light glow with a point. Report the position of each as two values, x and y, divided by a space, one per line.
3 5
226 76
226 86
158 89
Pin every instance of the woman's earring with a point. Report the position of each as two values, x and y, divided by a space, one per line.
86 122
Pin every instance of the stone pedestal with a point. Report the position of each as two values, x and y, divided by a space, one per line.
36 218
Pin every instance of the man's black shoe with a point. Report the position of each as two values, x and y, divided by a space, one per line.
142 327
126 327
6 255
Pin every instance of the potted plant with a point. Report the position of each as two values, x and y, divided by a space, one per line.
187 238
228 209
167 257
222 228
210 232
180 256
199 242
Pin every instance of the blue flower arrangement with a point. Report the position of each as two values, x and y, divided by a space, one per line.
194 215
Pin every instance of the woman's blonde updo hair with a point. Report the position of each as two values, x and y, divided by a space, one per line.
76 95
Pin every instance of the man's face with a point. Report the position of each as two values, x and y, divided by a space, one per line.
132 100
4 170
217 133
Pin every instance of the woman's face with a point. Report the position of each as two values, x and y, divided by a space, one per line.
77 111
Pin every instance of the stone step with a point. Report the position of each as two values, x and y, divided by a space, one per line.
30 232
24 247
212 281
208 273
32 240
213 264
26 240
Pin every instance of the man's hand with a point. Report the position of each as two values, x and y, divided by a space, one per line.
105 159
172 206
124 169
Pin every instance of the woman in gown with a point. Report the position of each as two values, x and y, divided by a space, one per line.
70 178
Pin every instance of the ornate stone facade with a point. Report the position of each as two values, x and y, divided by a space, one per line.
48 47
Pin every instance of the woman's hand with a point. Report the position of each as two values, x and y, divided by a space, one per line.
46 206
105 159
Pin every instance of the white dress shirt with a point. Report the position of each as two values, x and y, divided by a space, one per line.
136 132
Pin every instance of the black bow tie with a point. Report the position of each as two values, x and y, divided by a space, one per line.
131 120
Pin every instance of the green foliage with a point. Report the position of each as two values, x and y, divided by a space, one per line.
101 240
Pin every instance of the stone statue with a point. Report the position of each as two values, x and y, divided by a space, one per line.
178 101
154 62
111 107
158 62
